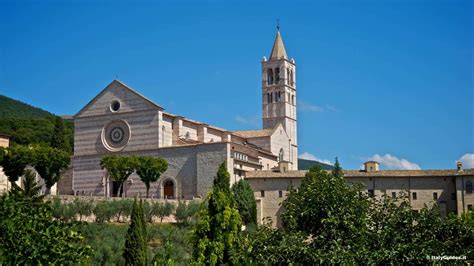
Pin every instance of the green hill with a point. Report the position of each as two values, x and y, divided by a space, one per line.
304 164
26 124
10 108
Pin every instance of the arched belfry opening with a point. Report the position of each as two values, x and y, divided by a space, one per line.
270 76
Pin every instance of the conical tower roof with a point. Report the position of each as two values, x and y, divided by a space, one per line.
278 50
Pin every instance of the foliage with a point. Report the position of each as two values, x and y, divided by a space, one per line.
304 164
30 189
30 125
103 212
135 252
149 169
245 201
217 230
158 209
184 212
49 163
12 108
329 221
29 234
119 168
59 138
83 208
14 161
107 240
63 212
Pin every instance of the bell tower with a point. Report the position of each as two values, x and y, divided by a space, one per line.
279 95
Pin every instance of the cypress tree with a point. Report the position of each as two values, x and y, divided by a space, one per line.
217 230
135 241
337 171
245 201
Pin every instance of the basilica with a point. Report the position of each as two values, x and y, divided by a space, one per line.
119 120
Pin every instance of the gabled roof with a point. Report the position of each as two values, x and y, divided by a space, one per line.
248 134
116 82
278 50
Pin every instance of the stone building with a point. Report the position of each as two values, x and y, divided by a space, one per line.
451 189
119 120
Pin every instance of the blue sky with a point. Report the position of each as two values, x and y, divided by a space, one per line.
387 80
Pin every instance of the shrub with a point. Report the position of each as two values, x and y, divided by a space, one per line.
185 212
103 211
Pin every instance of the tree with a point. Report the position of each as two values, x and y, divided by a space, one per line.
245 201
59 138
184 212
149 169
29 234
49 163
30 189
119 168
329 210
216 232
162 210
135 252
14 161
337 170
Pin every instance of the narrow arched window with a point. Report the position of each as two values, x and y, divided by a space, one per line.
280 155
269 76
468 187
288 76
277 75
293 99
163 136
292 80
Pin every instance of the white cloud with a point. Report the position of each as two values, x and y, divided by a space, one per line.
313 108
392 162
307 107
309 156
467 160
252 120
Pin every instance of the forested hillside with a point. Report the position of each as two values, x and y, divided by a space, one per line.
31 125
304 164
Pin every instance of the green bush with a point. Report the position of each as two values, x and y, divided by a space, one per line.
82 208
186 212
62 211
103 211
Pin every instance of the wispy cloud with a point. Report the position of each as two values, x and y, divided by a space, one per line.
309 107
309 156
248 120
467 160
389 161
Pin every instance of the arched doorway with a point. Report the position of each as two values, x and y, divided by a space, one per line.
168 189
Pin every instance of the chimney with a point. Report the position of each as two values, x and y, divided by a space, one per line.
371 166
459 166
283 166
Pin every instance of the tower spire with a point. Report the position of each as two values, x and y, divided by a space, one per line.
278 50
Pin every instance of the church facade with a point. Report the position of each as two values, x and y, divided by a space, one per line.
121 121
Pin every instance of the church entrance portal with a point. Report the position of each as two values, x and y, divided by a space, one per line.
169 190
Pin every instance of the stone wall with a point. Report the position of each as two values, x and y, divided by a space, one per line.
191 168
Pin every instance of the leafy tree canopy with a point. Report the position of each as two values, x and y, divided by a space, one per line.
49 163
149 169
29 233
119 168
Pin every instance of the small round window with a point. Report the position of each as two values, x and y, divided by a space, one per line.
115 106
